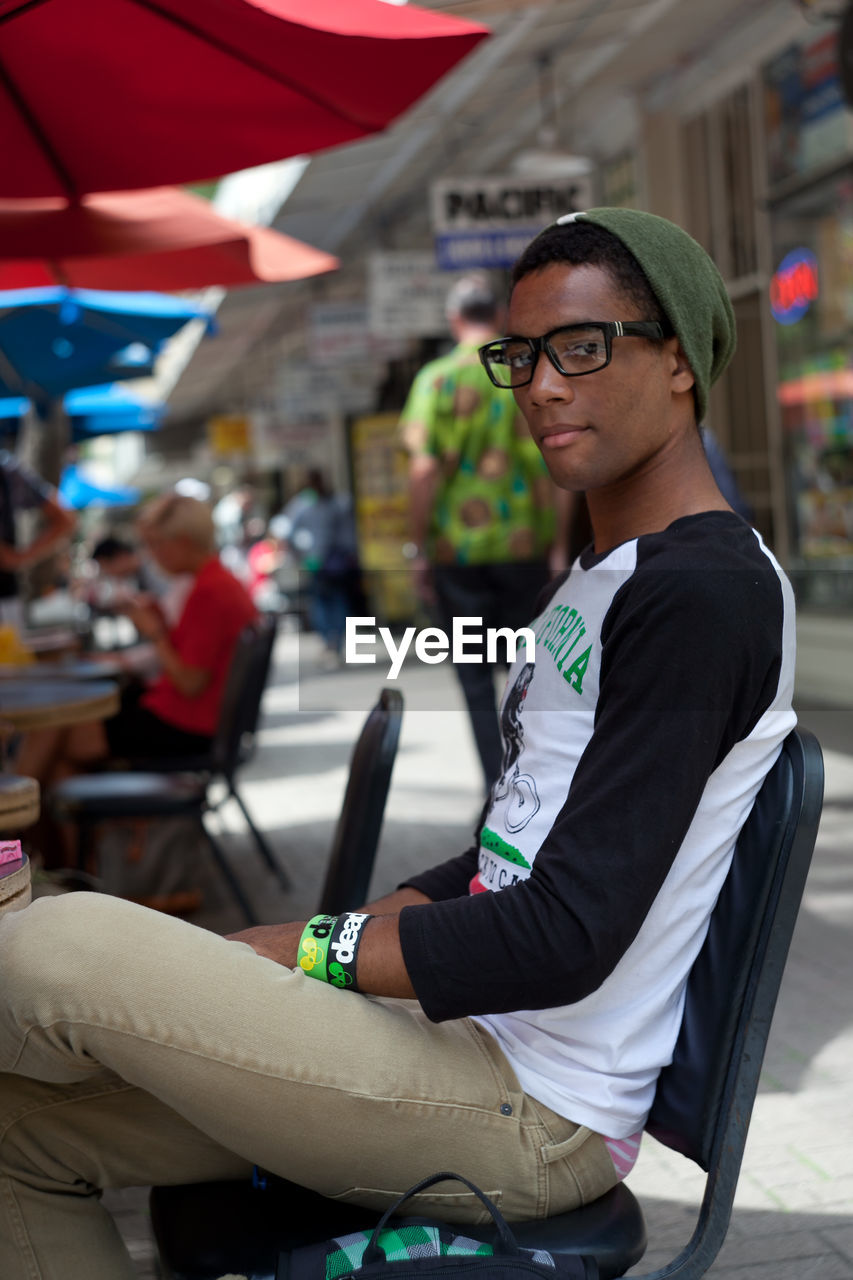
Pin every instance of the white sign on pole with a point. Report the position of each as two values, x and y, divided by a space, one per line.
303 394
406 294
487 222
338 333
279 442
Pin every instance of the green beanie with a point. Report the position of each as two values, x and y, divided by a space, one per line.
685 282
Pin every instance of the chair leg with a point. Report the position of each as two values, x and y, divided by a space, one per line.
233 882
261 842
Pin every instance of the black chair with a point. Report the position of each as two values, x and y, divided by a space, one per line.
235 741
702 1105
185 787
356 835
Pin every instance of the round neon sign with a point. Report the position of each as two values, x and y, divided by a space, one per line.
794 286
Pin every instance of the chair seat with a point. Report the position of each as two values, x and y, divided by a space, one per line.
211 1229
115 795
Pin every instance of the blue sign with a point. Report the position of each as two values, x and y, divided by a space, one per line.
462 250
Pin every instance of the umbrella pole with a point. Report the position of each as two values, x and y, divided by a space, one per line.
10 375
44 439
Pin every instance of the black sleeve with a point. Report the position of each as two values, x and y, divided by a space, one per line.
690 661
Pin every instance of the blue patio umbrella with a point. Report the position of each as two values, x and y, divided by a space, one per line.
55 340
93 411
78 491
12 409
107 410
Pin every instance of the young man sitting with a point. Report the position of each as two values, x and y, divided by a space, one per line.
505 1014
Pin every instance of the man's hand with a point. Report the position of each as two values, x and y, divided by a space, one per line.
381 969
279 942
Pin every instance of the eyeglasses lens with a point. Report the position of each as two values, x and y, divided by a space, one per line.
579 350
510 362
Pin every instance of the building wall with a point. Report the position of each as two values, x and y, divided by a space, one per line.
708 163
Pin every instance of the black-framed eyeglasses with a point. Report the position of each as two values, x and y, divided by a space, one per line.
573 349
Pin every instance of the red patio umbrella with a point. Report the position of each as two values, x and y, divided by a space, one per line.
164 239
120 94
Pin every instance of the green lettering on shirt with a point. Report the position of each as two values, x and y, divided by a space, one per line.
576 672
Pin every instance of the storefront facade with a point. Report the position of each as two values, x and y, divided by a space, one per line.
809 157
762 174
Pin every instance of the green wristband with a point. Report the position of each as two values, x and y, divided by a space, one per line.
313 952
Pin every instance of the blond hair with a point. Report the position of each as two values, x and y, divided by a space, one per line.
176 515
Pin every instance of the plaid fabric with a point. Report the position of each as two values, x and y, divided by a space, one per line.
404 1243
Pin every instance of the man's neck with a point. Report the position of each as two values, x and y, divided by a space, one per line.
680 485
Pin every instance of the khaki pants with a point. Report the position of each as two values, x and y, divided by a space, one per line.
140 1049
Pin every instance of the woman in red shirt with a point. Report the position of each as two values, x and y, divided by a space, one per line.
176 713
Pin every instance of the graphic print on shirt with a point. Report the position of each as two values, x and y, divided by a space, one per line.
524 802
518 788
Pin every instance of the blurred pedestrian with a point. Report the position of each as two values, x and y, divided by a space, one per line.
317 528
233 515
263 560
483 510
22 490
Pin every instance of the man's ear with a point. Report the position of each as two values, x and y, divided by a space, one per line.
682 374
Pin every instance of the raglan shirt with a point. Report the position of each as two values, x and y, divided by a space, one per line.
634 746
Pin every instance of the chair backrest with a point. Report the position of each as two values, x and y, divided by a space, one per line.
267 629
360 822
242 694
705 1096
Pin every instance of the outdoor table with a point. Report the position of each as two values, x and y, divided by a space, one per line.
30 702
48 641
66 669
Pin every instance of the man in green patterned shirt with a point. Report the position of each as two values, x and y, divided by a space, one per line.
482 503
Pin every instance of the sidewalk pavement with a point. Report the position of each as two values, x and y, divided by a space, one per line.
793 1215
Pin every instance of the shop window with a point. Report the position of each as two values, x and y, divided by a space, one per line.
812 298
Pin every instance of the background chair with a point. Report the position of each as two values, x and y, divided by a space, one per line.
235 740
702 1105
185 786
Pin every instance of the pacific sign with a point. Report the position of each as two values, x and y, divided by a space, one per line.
486 222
